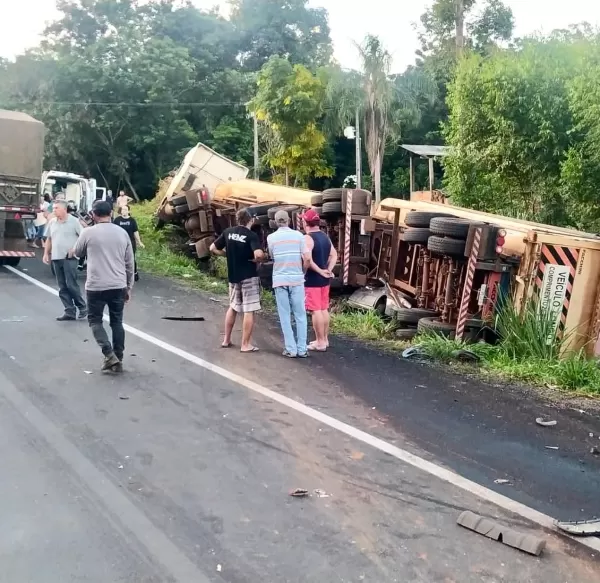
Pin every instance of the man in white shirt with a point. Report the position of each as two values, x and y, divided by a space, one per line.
62 234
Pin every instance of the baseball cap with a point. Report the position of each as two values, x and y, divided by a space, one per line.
311 215
282 217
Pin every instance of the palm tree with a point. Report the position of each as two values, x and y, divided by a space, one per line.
382 101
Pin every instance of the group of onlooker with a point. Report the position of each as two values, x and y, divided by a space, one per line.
302 271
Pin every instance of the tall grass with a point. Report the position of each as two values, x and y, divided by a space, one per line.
528 350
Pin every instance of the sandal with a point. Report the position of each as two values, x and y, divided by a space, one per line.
253 349
228 345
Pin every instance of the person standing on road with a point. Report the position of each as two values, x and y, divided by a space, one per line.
243 251
127 222
109 281
318 278
291 259
61 235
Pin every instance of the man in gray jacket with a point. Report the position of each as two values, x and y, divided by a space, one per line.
110 273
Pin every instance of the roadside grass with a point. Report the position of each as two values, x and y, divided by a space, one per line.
524 353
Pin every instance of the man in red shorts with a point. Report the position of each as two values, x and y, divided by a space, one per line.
318 278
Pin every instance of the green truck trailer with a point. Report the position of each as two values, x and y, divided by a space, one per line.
21 159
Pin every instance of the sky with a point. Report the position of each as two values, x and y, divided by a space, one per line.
22 21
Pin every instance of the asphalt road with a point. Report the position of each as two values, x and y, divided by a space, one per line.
180 470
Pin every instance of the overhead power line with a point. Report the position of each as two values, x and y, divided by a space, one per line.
134 104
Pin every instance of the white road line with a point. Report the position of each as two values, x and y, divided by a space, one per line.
444 474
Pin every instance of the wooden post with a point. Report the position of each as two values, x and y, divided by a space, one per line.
411 174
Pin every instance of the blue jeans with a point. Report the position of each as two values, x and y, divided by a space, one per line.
290 300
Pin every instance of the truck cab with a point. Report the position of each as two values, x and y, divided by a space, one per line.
80 191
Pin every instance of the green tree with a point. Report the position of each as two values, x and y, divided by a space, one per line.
511 129
386 103
289 102
281 27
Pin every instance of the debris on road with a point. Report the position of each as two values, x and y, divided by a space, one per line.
594 450
8 320
299 493
551 447
88 371
523 542
12 358
580 527
501 481
214 300
219 568
540 421
321 493
414 352
184 318
120 466
124 397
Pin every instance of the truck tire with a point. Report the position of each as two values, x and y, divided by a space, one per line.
332 208
406 333
416 235
316 200
179 200
421 219
412 315
318 209
429 325
332 195
10 261
289 208
450 227
182 209
262 220
261 209
447 246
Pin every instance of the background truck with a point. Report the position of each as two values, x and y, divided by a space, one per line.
21 158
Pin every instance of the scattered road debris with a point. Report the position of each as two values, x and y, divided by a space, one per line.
299 493
13 320
524 542
219 568
357 455
594 450
12 358
215 300
501 481
551 447
591 435
132 354
414 352
321 493
580 527
120 466
154 360
540 421
88 372
184 318
124 397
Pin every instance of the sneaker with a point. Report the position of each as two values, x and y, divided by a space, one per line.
82 315
303 355
117 368
110 361
288 354
65 318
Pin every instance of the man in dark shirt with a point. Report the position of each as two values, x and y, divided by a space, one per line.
127 222
242 248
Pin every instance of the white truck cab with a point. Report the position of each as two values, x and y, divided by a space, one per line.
80 191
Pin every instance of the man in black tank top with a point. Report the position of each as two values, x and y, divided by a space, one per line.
318 278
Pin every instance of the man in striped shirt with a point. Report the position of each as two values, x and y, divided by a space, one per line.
291 259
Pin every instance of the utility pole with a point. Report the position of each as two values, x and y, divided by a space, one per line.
256 157
358 151
460 27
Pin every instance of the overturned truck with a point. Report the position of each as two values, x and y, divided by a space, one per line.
429 265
